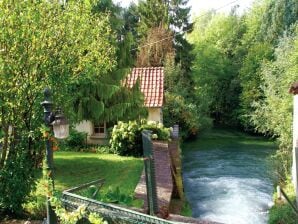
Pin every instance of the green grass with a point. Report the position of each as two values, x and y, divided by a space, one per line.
282 212
75 168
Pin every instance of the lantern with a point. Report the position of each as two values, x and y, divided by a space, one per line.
60 126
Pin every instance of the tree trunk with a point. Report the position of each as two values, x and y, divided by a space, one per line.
5 145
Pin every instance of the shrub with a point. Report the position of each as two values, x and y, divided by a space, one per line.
100 149
78 215
191 118
16 182
35 205
103 149
76 140
126 139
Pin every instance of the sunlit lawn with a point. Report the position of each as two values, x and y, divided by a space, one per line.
75 168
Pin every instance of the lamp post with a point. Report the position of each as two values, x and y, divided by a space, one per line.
61 131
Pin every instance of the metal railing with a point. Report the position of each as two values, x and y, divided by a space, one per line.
149 172
110 212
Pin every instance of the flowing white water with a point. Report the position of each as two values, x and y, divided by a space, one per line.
229 185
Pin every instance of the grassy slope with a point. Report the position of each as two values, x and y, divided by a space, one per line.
75 168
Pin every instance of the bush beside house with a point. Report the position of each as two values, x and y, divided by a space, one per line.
126 138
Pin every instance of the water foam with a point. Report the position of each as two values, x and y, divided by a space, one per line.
228 188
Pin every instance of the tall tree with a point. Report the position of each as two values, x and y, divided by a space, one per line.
278 18
181 25
273 113
90 103
43 44
171 15
266 23
218 60
152 13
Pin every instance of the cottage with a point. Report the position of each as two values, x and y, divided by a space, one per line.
152 86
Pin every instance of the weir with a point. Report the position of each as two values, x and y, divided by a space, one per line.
227 177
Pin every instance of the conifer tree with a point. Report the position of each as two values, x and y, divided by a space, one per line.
152 13
181 25
106 99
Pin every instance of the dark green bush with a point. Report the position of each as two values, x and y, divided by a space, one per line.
126 139
76 140
35 205
191 118
16 182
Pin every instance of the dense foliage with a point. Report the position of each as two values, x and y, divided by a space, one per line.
42 44
273 113
105 99
233 69
160 36
217 64
181 105
79 215
126 138
244 67
76 140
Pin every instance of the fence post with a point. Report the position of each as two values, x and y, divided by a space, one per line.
149 173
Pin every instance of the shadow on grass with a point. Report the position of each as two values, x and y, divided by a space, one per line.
74 168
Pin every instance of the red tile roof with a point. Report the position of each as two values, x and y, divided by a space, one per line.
151 83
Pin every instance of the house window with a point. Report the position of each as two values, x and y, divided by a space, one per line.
99 129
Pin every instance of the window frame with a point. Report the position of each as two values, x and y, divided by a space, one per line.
100 126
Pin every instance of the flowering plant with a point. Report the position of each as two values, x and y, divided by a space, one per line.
126 138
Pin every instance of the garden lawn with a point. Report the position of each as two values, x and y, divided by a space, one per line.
75 168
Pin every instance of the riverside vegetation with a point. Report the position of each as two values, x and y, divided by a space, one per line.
232 69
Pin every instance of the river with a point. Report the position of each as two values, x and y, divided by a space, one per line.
228 177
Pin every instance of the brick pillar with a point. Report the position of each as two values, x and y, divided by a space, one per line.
294 91
164 181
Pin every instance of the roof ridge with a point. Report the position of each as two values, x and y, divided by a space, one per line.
149 67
